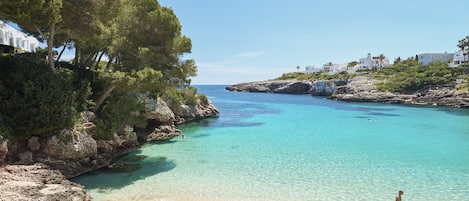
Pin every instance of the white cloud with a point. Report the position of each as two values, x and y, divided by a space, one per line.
249 54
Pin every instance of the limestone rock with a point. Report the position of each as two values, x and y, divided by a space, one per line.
34 144
162 133
36 182
71 144
159 112
26 158
185 113
277 86
299 87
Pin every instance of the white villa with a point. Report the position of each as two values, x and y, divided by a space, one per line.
459 57
312 69
13 37
370 62
428 58
335 68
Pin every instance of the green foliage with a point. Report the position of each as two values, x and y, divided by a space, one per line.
203 99
289 76
34 99
186 96
409 76
119 110
315 76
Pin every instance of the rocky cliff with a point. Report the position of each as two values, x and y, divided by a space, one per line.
360 89
318 88
73 151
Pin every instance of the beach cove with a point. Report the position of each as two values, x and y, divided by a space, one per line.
267 146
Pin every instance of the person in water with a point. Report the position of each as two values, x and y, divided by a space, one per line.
399 196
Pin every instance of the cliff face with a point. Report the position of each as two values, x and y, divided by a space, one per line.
71 152
318 88
360 89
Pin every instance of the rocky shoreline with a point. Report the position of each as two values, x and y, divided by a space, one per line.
37 168
361 89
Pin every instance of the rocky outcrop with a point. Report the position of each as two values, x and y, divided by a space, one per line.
162 133
316 88
362 89
186 113
325 87
37 182
159 111
274 86
71 152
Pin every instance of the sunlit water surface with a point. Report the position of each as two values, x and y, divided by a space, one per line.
297 147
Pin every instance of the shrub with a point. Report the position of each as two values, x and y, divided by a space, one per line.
203 99
34 99
119 110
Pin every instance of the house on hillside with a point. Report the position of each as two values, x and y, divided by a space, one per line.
427 58
334 68
10 36
312 69
459 57
371 62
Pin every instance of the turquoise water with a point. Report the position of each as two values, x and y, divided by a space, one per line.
298 147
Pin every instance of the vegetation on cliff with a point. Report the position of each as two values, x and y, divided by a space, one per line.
409 76
143 47
315 76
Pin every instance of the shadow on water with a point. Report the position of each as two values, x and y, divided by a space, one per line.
202 135
382 114
124 172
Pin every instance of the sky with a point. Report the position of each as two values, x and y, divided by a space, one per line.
251 40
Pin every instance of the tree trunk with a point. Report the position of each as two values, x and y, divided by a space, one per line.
50 46
75 60
109 64
103 97
61 52
99 59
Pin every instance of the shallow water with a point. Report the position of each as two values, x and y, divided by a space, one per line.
298 147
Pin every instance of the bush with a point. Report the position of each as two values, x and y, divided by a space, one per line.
34 99
119 110
203 99
315 76
409 76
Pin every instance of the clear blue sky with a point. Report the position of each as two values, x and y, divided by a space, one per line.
249 40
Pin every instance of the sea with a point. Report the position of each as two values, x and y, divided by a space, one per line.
280 147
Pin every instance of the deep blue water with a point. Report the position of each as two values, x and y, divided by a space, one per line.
298 147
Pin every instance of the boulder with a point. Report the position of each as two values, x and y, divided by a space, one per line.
71 144
162 133
323 88
159 111
37 182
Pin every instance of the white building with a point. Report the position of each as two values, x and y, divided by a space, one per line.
335 68
312 69
428 58
370 62
459 57
13 37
